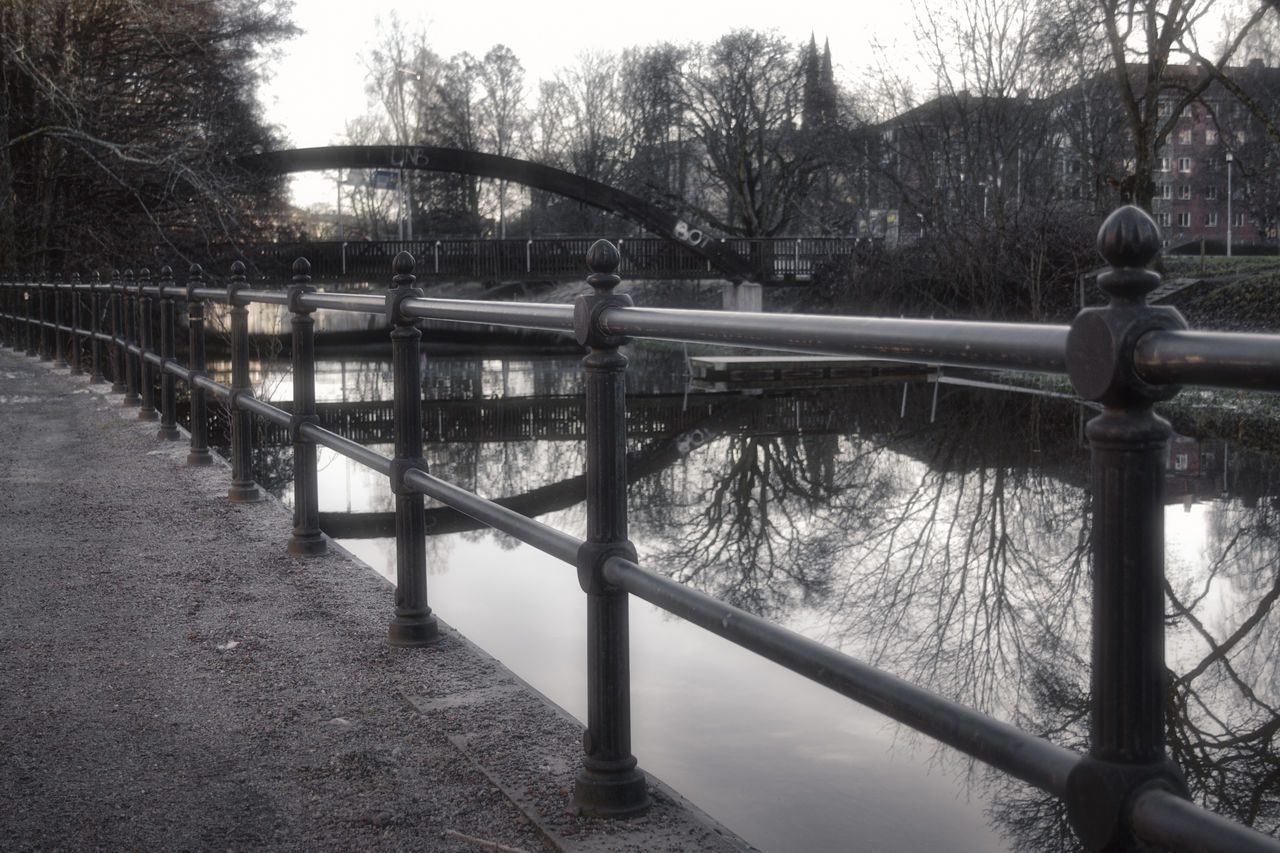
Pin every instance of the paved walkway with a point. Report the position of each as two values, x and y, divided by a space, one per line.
171 680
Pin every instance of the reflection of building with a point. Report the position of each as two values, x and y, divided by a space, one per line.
1196 470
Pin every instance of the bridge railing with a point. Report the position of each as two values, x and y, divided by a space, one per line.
1124 793
777 259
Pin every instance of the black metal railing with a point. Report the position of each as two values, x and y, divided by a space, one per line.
1123 794
773 259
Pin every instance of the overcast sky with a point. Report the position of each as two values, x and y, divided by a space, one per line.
318 84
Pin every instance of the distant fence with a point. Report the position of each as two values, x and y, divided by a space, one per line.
776 260
1123 794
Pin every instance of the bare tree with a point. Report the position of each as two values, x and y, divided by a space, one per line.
121 125
744 98
504 124
661 157
1151 43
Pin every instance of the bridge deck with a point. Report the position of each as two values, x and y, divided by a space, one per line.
172 680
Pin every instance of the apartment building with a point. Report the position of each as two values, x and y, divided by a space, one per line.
1217 175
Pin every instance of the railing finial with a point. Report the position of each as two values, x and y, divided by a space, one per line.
603 259
1129 240
402 266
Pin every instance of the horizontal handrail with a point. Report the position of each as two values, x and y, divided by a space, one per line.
1001 745
1021 346
1186 357
541 536
1221 359
1163 818
524 315
348 448
357 302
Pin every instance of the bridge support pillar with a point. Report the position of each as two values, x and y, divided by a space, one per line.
743 296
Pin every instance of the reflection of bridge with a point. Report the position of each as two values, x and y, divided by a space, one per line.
649 416
778 260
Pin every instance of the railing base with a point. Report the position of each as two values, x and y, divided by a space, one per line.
307 545
245 494
617 795
413 632
199 458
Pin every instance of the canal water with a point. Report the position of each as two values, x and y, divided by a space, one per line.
938 532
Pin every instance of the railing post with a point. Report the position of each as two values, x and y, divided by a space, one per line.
118 369
46 342
77 366
169 352
129 325
7 304
33 308
306 540
11 310
199 454
59 338
95 330
413 624
243 488
609 784
1129 443
146 375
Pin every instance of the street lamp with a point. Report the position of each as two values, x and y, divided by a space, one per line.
1229 159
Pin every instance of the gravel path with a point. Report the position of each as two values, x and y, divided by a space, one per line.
171 680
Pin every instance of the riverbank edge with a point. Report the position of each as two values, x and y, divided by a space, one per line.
263 705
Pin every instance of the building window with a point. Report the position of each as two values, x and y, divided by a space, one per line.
1164 219
1211 137
1162 108
1184 192
1164 164
1184 137
1184 164
1237 220
1211 193
1166 191
1211 220
1184 220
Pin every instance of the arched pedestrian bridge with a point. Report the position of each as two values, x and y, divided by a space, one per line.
680 250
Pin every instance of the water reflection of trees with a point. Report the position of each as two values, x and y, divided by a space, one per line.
954 554
957 556
1228 701
936 550
1224 686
